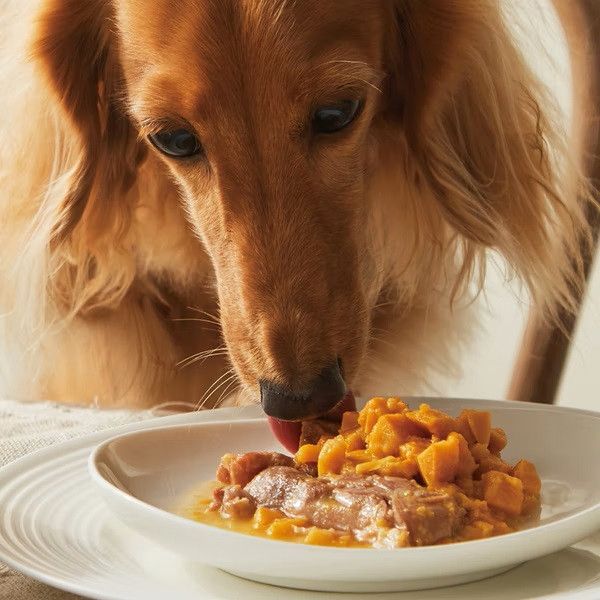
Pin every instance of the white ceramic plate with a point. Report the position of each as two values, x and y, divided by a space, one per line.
55 528
145 475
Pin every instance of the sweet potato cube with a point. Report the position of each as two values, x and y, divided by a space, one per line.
527 473
487 461
355 440
389 465
503 492
434 421
359 456
497 440
466 462
477 530
349 421
407 468
462 426
368 420
369 466
395 405
376 407
467 485
414 447
439 463
480 423
327 537
264 516
332 456
307 453
285 527
372 410
320 537
389 433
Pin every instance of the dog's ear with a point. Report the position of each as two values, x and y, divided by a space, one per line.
79 57
485 144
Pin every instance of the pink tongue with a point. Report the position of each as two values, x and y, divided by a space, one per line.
288 432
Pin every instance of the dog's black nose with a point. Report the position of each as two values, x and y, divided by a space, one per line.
319 397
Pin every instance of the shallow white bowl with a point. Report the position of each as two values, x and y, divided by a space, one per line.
147 476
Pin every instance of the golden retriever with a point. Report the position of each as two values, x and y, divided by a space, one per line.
225 199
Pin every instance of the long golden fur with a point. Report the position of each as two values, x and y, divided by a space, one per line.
115 260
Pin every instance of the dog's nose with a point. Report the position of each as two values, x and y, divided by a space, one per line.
319 397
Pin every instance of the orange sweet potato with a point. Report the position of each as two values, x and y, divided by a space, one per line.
349 421
376 407
480 424
527 473
503 492
332 456
439 463
434 421
390 432
355 440
487 461
497 440
388 465
327 537
477 530
413 447
264 516
307 453
462 427
466 462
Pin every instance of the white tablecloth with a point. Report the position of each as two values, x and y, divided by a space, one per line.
25 427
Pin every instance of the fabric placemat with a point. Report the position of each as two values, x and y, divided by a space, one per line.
29 426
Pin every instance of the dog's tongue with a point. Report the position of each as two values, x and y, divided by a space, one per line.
288 432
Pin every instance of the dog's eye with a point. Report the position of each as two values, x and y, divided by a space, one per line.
329 119
178 143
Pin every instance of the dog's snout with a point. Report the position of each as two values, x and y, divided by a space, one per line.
316 399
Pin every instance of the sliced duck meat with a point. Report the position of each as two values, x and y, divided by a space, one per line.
385 511
241 468
287 489
428 516
233 501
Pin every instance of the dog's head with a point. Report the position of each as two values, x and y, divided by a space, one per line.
324 151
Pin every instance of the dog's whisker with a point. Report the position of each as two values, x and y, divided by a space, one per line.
214 318
187 362
217 388
202 356
198 356
200 359
197 320
211 387
223 396
383 304
235 390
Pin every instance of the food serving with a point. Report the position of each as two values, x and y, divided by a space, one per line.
386 477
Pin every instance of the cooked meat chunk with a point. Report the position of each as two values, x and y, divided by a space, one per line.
428 516
287 488
308 468
387 511
300 495
233 502
241 468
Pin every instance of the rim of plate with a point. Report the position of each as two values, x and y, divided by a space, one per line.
513 538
